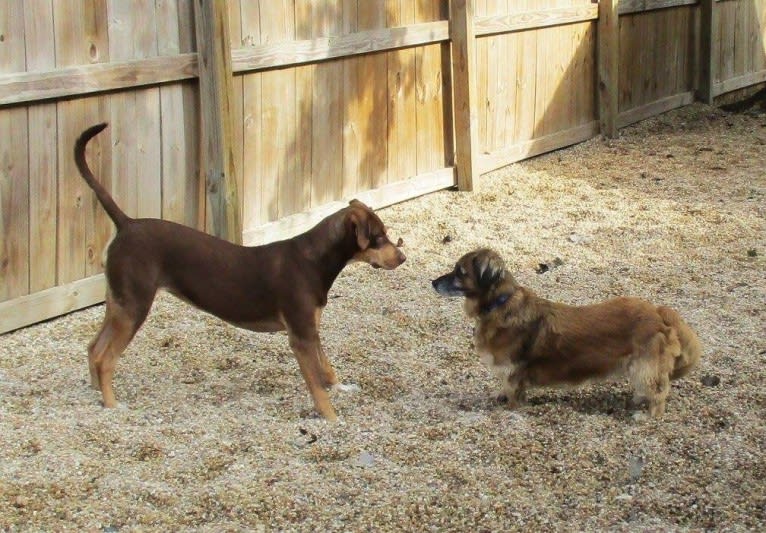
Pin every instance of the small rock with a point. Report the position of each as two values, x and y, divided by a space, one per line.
365 459
635 467
446 239
542 268
710 380
752 252
577 238
21 502
312 438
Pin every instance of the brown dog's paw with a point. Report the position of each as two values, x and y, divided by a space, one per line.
345 387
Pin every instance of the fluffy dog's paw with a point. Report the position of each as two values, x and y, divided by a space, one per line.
640 416
346 387
509 401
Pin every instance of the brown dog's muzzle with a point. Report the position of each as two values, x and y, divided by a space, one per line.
386 256
392 259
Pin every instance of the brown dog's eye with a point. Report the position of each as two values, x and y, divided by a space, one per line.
460 271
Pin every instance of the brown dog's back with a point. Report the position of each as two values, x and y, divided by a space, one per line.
691 349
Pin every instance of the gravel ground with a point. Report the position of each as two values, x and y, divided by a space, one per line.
217 433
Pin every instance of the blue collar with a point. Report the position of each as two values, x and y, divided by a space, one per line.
494 304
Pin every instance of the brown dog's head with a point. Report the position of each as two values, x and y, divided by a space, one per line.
375 248
475 275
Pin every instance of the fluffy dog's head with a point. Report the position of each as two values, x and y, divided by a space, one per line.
475 275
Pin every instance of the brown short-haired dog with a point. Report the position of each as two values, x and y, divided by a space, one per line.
529 341
275 287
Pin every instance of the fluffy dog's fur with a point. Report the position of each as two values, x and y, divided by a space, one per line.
529 341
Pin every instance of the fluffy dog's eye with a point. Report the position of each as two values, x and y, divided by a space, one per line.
460 271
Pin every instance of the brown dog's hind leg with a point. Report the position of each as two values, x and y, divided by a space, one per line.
116 332
308 352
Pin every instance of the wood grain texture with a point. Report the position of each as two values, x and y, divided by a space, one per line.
216 102
608 66
14 165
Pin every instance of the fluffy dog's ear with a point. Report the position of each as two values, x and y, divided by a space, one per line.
489 270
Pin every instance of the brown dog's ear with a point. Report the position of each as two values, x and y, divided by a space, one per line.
357 203
361 229
489 269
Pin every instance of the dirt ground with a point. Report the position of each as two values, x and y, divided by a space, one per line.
217 433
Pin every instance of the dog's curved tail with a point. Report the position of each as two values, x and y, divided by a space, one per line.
110 206
691 349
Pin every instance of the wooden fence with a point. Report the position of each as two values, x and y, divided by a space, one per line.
252 119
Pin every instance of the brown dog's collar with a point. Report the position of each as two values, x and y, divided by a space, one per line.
494 304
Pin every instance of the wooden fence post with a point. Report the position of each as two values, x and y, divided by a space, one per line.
216 108
608 66
464 105
705 89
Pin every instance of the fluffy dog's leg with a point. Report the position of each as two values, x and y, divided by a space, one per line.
690 348
660 394
513 390
650 372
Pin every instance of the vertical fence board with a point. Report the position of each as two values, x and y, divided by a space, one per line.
304 80
355 110
14 185
217 110
327 113
41 56
98 226
608 63
429 110
180 186
401 125
464 92
278 116
81 37
254 206
372 83
234 11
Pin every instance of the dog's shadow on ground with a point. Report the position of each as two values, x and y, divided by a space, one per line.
615 403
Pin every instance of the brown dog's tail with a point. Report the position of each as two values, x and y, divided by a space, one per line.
115 213
691 349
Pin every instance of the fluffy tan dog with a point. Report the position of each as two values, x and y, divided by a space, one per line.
529 341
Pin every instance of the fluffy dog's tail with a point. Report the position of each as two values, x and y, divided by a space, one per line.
691 349
115 213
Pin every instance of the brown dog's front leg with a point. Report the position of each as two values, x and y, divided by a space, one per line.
308 352
329 379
